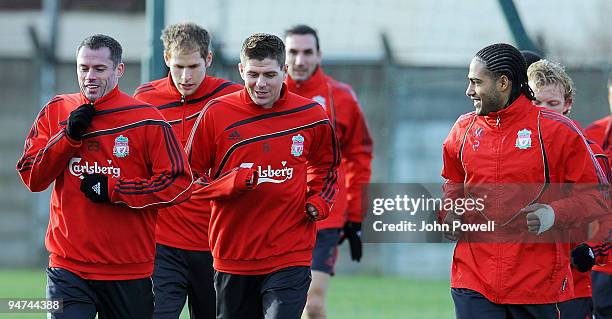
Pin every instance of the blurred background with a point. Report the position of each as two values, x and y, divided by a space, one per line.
406 60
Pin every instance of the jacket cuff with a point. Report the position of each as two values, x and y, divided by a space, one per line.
322 207
245 179
73 143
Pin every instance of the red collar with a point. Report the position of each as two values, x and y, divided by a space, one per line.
316 81
518 109
246 99
102 101
174 92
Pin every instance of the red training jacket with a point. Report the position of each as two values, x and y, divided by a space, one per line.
293 148
132 144
518 147
600 132
185 225
342 107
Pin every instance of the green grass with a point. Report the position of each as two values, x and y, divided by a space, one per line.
352 297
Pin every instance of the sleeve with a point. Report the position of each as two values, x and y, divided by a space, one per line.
170 181
321 168
356 159
602 241
230 184
452 170
200 149
586 183
45 154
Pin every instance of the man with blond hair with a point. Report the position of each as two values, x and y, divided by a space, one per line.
554 89
183 264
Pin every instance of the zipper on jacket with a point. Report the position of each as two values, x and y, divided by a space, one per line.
182 117
564 284
497 123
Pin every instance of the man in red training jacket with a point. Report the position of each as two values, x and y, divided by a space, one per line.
183 263
600 132
544 180
262 240
113 161
307 79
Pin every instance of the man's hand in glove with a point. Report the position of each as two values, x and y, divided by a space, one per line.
583 257
352 232
95 187
79 121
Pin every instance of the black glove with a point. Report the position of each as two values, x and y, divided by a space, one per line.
583 257
79 121
95 187
352 231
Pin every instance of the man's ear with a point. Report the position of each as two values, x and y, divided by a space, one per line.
241 70
567 108
167 57
503 83
209 59
120 69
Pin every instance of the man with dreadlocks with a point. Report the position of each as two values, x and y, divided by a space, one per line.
510 154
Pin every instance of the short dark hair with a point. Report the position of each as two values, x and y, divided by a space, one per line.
504 59
98 41
302 29
261 46
186 38
530 57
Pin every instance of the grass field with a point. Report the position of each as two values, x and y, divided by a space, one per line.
353 297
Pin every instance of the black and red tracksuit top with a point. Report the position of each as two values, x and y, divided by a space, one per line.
293 148
342 107
507 157
185 225
132 144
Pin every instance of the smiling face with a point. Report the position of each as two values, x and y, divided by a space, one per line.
188 70
483 89
263 80
302 56
96 73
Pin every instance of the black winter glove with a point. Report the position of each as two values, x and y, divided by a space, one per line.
79 121
583 257
95 187
352 232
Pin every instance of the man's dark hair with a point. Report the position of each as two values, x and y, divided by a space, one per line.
504 59
530 57
302 29
98 41
260 46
